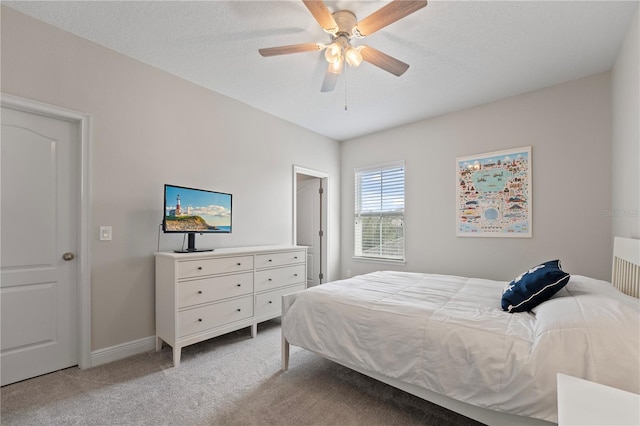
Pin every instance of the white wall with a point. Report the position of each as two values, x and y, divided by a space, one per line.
568 127
625 205
151 128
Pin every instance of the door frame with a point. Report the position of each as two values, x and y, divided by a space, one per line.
83 277
298 170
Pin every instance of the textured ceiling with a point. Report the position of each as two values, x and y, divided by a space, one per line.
460 53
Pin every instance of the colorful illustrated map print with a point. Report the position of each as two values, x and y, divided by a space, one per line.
493 194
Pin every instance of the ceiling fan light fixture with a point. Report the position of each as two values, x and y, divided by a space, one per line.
333 53
343 26
353 56
336 67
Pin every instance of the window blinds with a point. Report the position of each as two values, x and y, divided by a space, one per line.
379 212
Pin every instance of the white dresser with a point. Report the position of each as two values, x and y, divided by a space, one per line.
207 294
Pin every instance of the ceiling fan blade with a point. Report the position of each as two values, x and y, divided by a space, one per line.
387 15
324 17
384 61
292 48
330 79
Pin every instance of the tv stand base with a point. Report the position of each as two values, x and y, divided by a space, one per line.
192 250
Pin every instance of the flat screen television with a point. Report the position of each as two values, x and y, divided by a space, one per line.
194 211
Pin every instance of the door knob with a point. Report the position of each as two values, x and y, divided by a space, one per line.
68 256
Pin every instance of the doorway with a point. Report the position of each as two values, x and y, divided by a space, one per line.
44 289
310 192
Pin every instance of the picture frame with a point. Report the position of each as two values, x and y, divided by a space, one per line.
493 194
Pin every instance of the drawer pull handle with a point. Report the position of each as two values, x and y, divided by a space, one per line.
238 263
239 309
295 275
295 257
270 301
199 268
199 291
269 279
199 319
239 285
270 260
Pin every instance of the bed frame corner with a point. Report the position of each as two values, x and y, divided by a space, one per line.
287 301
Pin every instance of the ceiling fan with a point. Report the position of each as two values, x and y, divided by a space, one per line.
343 26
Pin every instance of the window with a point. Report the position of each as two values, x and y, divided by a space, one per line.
379 212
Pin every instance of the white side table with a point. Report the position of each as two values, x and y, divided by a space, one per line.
581 402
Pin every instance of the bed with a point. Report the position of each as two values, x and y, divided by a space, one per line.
447 340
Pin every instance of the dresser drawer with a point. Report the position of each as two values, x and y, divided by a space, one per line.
210 289
271 301
273 278
202 267
279 259
200 319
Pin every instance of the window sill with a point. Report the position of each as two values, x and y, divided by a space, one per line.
378 260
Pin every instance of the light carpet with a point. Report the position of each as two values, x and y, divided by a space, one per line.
229 380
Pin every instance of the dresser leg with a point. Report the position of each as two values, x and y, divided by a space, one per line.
158 344
254 329
176 355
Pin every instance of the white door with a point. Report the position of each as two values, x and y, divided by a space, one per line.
308 226
38 220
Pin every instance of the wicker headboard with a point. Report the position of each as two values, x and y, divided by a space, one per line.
626 266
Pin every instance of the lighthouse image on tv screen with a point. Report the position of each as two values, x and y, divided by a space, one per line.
196 210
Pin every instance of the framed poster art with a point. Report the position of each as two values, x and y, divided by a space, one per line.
494 194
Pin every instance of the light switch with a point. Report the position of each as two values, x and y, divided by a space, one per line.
105 233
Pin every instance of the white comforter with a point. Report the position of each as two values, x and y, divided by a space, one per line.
449 335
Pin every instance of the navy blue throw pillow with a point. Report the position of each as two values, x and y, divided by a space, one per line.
534 286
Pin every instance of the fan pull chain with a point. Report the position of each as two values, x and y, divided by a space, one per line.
345 88
345 95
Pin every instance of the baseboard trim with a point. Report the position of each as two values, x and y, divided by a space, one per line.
123 350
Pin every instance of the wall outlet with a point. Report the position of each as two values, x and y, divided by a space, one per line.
105 233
